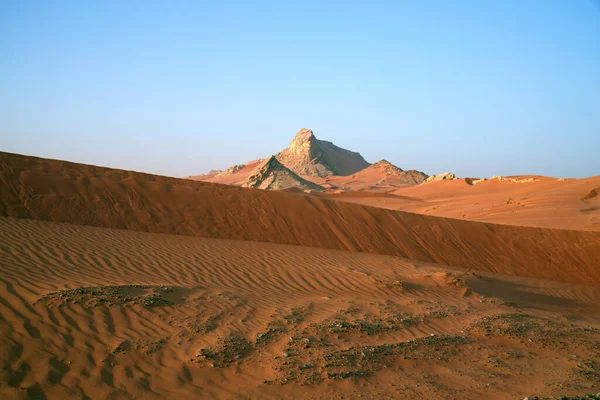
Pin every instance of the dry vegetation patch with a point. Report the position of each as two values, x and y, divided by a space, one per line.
88 297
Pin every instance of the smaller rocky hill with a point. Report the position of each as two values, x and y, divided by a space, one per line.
272 175
385 167
386 172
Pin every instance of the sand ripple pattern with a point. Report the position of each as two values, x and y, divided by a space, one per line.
59 191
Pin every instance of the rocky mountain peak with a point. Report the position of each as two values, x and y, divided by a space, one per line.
303 135
303 143
306 155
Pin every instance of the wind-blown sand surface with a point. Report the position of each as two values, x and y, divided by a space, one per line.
60 191
236 178
102 313
117 284
544 202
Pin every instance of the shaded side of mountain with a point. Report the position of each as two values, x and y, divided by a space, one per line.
412 176
272 175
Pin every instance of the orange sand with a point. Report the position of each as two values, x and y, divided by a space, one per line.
117 284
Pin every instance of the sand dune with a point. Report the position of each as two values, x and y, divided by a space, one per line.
544 202
103 313
65 192
592 194
232 176
383 172
379 177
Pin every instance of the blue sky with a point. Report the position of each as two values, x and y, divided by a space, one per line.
478 88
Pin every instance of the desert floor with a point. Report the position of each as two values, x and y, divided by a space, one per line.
115 284
542 202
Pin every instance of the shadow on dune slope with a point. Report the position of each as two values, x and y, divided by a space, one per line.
60 191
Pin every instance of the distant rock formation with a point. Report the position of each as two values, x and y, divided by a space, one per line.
204 177
515 180
441 177
272 175
475 181
306 155
310 159
413 177
230 171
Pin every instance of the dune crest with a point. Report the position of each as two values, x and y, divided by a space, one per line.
59 191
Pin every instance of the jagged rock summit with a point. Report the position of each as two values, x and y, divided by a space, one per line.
306 155
273 175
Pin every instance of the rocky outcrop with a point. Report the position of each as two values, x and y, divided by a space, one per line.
272 175
441 177
309 156
515 180
475 181
412 176
230 171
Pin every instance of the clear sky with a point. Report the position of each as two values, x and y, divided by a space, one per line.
479 88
